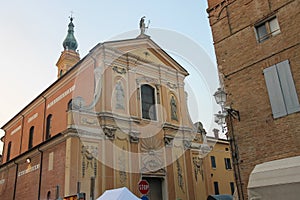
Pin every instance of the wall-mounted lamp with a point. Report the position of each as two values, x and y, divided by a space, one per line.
28 160
220 118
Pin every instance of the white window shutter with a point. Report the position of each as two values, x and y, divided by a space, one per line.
274 91
288 87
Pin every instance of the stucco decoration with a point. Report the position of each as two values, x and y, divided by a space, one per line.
109 132
146 79
179 175
120 96
89 161
122 167
168 140
172 85
152 155
119 70
186 143
198 168
134 136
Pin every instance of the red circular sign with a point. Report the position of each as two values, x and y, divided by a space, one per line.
144 186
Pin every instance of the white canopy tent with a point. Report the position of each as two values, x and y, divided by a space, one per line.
118 194
276 180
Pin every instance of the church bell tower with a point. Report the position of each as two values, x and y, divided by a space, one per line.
69 57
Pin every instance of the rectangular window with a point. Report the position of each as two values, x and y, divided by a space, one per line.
216 187
267 29
148 102
281 89
213 162
227 163
232 187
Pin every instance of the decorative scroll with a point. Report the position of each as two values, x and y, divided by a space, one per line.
172 85
109 132
168 141
186 144
119 70
134 137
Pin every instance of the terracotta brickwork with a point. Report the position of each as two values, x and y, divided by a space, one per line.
241 60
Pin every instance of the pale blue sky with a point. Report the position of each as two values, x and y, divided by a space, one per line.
32 33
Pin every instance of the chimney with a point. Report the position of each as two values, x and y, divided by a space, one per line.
216 133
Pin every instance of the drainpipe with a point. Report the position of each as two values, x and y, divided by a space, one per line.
44 119
22 132
41 170
16 180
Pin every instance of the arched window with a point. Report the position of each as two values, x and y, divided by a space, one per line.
173 105
8 151
30 140
70 105
60 73
48 127
48 195
148 102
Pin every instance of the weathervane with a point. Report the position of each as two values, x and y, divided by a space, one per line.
143 27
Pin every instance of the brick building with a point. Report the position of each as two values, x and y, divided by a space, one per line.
112 118
257 49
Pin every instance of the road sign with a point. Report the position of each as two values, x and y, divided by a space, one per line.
144 186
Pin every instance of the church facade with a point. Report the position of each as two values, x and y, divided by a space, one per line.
113 118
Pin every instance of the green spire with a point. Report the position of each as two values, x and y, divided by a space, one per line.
70 42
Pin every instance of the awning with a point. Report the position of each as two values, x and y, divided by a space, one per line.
278 179
118 194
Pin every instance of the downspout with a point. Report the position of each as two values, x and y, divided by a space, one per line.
41 170
22 132
16 180
43 129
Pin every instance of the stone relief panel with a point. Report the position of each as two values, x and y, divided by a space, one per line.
119 96
89 154
180 175
152 155
198 167
122 166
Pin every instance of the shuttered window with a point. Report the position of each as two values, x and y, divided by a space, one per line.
281 89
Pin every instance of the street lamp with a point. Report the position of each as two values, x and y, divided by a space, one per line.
220 118
220 96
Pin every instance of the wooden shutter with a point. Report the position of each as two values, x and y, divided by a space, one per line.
274 91
288 87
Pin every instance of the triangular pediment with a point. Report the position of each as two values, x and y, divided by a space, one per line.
146 49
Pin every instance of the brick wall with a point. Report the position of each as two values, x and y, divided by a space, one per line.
241 59
53 171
